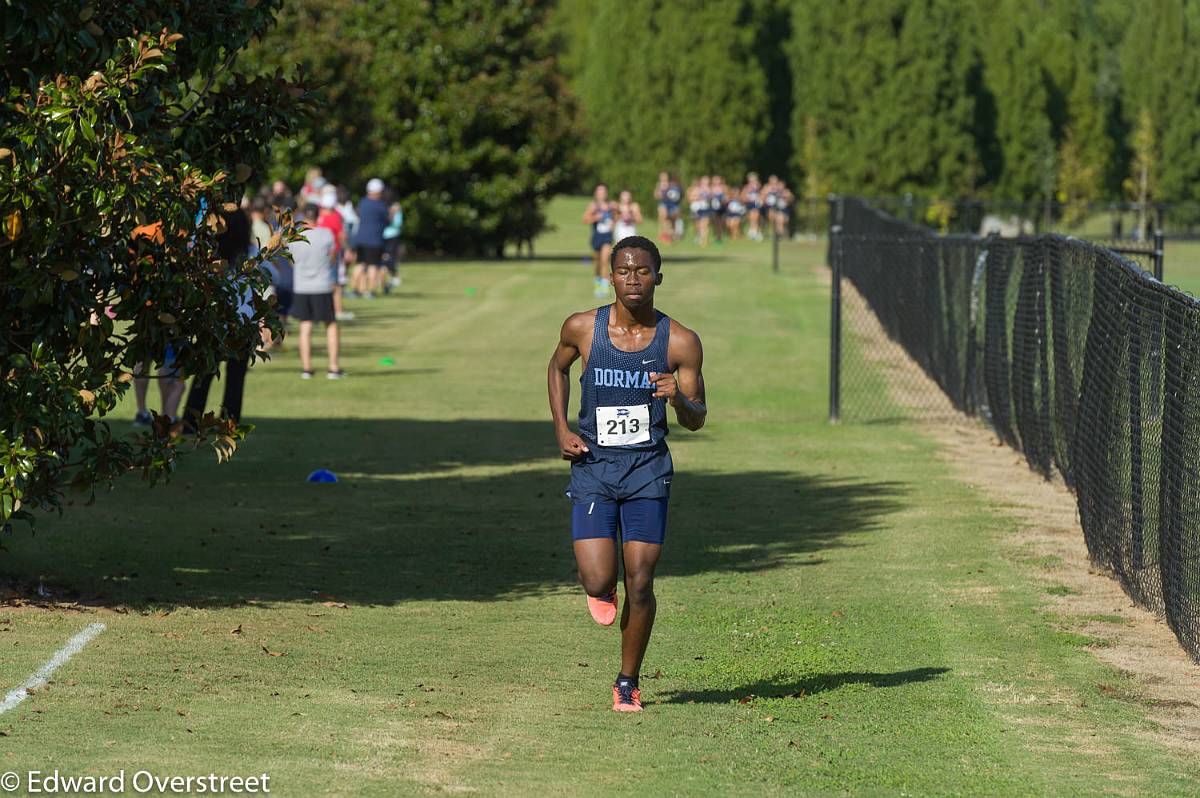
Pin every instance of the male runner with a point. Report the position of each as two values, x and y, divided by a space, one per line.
636 361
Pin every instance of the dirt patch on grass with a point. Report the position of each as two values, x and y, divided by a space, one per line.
1134 641
1050 544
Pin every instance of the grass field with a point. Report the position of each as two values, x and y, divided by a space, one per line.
837 612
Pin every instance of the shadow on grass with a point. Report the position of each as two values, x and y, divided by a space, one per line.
785 687
469 510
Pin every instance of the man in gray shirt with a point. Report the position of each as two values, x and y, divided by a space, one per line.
312 287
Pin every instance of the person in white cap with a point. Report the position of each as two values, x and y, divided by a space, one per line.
372 219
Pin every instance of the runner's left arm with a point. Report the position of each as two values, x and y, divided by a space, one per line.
684 389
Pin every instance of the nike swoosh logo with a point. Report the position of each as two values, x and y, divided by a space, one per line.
651 360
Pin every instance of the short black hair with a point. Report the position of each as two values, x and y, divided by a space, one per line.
311 212
636 242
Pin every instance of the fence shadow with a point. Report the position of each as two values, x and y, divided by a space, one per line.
463 510
789 687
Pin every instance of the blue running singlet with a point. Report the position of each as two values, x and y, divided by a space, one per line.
616 407
602 229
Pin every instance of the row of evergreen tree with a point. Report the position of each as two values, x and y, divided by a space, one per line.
478 112
458 105
1014 99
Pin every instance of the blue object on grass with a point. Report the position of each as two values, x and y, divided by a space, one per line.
322 475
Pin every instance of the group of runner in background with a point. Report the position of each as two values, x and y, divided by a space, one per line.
717 211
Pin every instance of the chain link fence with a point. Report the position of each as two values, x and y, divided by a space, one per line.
1076 357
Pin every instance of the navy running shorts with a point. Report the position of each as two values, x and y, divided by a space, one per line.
641 520
606 481
599 240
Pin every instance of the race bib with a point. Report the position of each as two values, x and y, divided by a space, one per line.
621 426
604 226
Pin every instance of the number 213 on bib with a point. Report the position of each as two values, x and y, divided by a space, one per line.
622 426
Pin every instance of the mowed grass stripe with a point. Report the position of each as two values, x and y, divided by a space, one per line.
860 601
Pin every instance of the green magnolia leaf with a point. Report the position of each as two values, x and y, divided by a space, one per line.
97 207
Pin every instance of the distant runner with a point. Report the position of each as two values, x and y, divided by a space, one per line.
636 361
601 215
629 216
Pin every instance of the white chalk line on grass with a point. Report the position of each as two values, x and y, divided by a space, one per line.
42 675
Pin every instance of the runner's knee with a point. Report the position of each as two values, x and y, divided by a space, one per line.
639 586
597 585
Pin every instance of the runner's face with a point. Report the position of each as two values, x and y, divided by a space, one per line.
601 194
634 278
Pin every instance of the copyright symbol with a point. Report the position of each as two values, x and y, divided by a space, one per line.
10 782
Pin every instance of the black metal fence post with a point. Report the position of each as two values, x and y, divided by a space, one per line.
1137 515
835 324
1158 255
837 212
774 246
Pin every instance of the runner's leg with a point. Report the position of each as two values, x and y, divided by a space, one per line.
637 617
597 561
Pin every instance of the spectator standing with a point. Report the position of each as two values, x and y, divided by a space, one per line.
312 286
314 183
373 220
281 196
349 215
260 229
233 245
170 387
392 248
330 219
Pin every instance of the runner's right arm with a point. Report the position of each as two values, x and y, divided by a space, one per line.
558 384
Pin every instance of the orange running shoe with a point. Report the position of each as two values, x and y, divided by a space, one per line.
604 609
626 697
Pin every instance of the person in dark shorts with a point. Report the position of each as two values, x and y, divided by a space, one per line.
373 218
312 291
600 216
636 362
